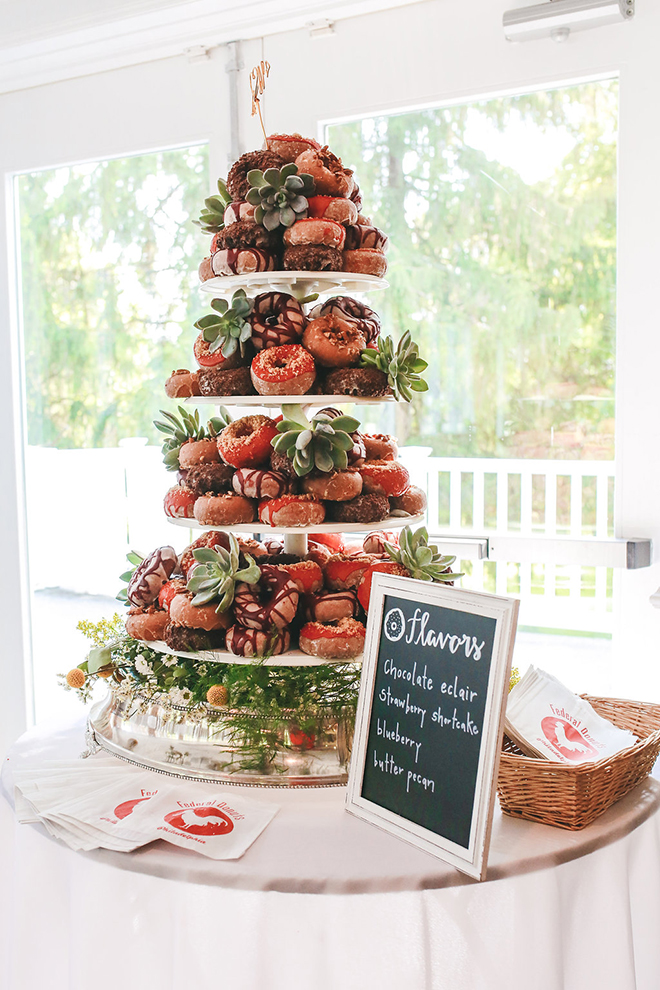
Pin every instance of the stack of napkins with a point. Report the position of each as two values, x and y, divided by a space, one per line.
101 803
548 721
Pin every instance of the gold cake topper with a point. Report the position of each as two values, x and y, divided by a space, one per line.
258 78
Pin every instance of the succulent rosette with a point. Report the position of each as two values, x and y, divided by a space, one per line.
217 573
421 559
186 426
212 218
280 195
402 365
322 442
227 328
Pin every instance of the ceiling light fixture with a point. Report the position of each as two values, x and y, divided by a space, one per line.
556 19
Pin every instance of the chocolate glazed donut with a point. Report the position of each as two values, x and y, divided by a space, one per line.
273 601
244 642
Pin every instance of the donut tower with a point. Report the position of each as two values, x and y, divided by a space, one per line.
282 483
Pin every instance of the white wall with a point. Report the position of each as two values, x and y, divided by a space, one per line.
427 53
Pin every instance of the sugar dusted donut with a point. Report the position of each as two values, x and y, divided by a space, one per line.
380 447
243 642
292 510
336 208
221 381
193 452
246 441
389 478
352 311
286 370
257 483
307 575
364 261
330 176
182 384
330 606
271 602
224 510
333 642
289 146
184 613
338 486
312 258
361 235
334 343
242 261
150 575
411 503
179 503
363 382
363 509
146 623
315 231
277 318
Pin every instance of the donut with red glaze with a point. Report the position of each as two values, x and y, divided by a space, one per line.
344 571
206 358
292 510
244 642
330 176
364 261
277 318
179 503
226 509
286 370
307 575
315 231
352 311
271 602
330 606
147 624
335 208
211 540
334 343
389 478
337 486
171 588
382 567
257 483
182 384
341 641
245 443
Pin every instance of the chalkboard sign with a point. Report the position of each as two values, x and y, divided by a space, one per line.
428 734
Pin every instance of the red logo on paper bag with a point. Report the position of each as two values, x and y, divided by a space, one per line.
124 809
200 821
566 739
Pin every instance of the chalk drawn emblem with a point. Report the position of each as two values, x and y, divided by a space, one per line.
563 737
200 821
394 625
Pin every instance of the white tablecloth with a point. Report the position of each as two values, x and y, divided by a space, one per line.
290 913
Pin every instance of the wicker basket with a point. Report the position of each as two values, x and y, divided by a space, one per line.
574 796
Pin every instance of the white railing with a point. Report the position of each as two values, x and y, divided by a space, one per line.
87 508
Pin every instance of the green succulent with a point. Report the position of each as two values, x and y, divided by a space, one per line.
135 559
212 219
227 328
422 561
219 573
402 366
187 426
279 195
320 443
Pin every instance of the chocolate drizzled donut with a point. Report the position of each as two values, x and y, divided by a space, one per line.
242 261
150 576
256 483
351 311
362 236
244 642
273 601
277 318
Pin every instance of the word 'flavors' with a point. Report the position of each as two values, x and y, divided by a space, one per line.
396 626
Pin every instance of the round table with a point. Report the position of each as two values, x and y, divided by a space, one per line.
326 900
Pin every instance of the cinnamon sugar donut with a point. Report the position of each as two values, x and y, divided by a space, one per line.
363 509
315 231
193 452
182 384
362 382
184 613
336 208
286 370
411 503
352 311
364 261
312 258
237 183
146 623
292 510
334 343
330 177
338 486
243 642
289 146
333 642
271 602
384 478
380 447
257 483
219 381
246 441
224 510
277 318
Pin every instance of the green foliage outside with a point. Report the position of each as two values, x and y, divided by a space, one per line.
110 292
508 287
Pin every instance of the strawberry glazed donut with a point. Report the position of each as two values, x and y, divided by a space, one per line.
307 575
384 478
244 642
313 231
277 318
333 642
292 510
336 208
338 486
334 343
224 510
184 613
179 503
331 606
206 358
254 483
330 176
271 602
147 623
380 447
351 311
344 571
364 261
245 443
286 370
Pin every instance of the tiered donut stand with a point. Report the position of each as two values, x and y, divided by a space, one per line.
200 749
